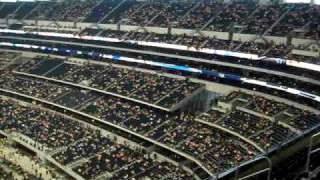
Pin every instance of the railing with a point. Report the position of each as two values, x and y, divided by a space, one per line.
269 169
311 151
21 138
173 66
172 108
116 126
274 148
269 151
187 58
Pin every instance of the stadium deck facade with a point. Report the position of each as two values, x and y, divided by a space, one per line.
109 89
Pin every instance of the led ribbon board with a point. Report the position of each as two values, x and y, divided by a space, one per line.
293 63
169 66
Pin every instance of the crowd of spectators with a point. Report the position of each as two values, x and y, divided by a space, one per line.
199 16
264 131
6 59
296 18
51 28
220 44
145 14
157 171
142 120
101 10
48 129
230 15
72 10
170 14
130 115
151 88
81 142
17 169
301 120
126 7
42 11
20 164
253 47
211 116
218 150
75 98
279 80
249 17
184 39
8 9
5 174
313 27
112 158
170 39
279 51
261 47
263 18
102 82
185 90
38 89
156 88
24 10
203 141
112 34
226 153
265 106
86 147
75 11
135 35
260 104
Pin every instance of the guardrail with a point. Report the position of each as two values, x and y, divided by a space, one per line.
115 126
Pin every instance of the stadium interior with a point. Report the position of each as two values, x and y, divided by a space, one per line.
159 89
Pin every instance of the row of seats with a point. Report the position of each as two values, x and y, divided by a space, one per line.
33 88
302 120
79 142
62 95
163 170
67 97
115 156
297 118
246 17
309 87
151 88
170 129
73 10
173 131
217 149
183 132
125 113
16 168
6 59
264 131
298 17
261 48
43 127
